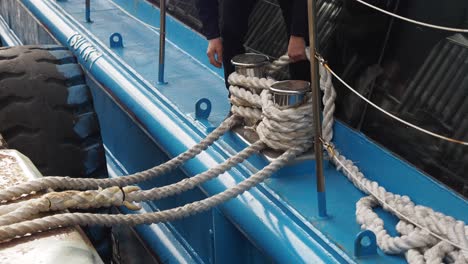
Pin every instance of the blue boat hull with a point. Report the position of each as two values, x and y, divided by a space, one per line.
144 124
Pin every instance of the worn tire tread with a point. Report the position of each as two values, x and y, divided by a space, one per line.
46 111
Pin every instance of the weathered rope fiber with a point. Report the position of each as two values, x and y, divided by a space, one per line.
59 201
426 236
284 129
67 183
244 102
70 219
115 196
270 115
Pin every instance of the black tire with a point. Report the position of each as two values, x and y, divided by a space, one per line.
46 111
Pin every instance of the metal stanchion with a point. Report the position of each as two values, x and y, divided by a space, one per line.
162 41
88 11
322 205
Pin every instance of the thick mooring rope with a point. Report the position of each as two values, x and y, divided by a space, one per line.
67 183
115 196
278 64
427 236
284 129
59 201
84 219
298 139
244 102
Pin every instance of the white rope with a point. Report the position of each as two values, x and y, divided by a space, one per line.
280 129
287 129
247 112
461 30
278 64
59 201
430 237
244 102
246 97
67 183
250 82
284 129
70 219
429 226
115 196
426 235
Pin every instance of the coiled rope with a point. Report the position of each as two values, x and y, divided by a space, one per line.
427 236
244 102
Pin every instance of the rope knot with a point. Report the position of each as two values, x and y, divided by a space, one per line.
126 202
112 196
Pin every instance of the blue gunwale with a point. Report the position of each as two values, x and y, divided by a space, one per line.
290 195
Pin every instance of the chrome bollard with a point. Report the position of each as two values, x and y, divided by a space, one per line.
291 93
251 65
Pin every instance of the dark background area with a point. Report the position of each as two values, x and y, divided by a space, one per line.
417 73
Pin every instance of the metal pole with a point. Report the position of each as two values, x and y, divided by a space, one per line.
314 73
88 11
162 41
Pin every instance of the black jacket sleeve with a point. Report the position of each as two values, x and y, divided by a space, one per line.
208 12
299 25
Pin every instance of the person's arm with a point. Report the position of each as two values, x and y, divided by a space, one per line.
298 25
299 30
208 11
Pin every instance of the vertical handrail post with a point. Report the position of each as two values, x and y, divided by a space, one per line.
162 41
88 11
315 83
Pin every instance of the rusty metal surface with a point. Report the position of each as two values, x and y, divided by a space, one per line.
53 247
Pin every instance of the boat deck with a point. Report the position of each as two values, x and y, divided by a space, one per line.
191 78
186 69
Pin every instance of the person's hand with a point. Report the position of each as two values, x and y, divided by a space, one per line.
215 52
296 49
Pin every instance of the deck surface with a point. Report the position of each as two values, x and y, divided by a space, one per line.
186 75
